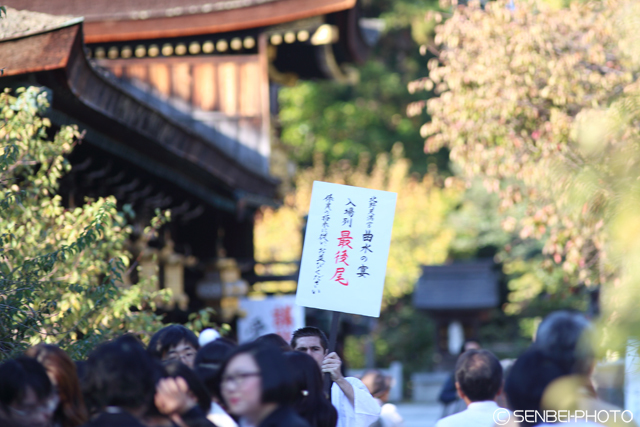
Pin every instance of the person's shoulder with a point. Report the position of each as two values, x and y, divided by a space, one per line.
453 420
466 418
293 419
284 416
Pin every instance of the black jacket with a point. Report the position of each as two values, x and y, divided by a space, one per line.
119 419
284 416
196 418
192 418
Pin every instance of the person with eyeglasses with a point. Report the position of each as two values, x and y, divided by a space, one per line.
174 343
26 394
256 386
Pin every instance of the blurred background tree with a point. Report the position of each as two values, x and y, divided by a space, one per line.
342 121
61 270
539 103
537 108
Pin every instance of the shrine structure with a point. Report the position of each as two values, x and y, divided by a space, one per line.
177 100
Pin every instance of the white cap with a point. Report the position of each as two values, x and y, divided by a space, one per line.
207 336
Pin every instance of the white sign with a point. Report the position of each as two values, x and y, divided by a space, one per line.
346 246
270 315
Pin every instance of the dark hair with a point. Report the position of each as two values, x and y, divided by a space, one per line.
71 411
376 382
466 342
274 372
310 331
479 374
312 405
19 374
168 337
208 361
177 369
274 340
565 336
120 373
528 378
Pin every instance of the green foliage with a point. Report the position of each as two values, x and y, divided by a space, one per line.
344 121
61 270
407 335
476 222
201 319
402 333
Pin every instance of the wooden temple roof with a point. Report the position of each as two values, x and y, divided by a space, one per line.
120 20
134 127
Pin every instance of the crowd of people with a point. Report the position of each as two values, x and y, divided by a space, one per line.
176 381
549 383
179 381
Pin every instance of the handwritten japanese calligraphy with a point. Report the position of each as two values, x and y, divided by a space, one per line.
323 240
362 271
344 243
346 248
338 276
345 239
341 257
367 239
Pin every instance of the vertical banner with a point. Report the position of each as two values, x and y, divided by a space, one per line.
271 315
346 246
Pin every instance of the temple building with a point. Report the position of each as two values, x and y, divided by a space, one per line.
177 101
458 297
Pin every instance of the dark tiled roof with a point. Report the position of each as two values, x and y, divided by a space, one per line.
460 286
127 20
161 141
98 10
21 23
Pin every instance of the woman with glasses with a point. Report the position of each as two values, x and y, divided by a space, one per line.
61 370
256 386
207 366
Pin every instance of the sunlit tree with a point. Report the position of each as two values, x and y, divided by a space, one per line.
540 103
60 269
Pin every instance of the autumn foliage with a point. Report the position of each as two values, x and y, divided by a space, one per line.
541 104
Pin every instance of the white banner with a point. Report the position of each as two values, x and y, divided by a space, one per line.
271 315
346 246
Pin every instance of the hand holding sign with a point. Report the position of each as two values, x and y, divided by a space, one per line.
331 365
344 258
